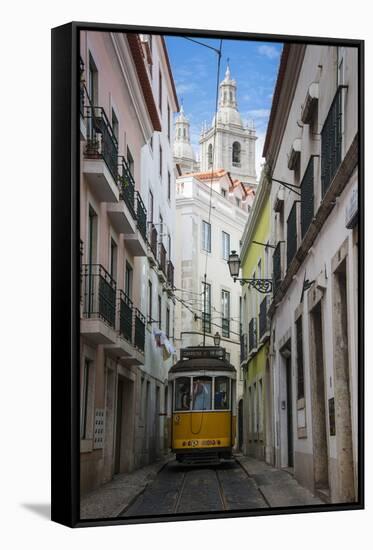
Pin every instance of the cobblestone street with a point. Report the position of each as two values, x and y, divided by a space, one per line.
170 488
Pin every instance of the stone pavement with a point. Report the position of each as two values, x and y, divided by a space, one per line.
278 487
113 498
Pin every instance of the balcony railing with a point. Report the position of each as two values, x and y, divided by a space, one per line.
125 316
101 141
153 239
170 273
162 257
126 185
307 198
291 243
225 327
243 347
206 322
263 319
276 262
331 142
140 215
252 334
139 330
99 291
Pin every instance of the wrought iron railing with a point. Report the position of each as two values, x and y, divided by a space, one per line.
206 322
139 330
225 326
162 257
291 243
99 291
276 263
252 334
140 215
243 347
125 316
263 319
153 239
307 197
331 142
81 250
170 273
126 185
101 141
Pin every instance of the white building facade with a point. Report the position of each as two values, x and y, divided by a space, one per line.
312 144
204 239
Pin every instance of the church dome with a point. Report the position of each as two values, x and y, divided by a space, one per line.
228 115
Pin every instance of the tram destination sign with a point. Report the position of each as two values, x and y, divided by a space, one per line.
203 352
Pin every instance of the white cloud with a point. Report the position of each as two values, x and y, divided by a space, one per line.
269 51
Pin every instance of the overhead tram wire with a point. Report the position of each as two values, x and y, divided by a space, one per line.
212 177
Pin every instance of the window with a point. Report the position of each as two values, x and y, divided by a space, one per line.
202 393
168 185
113 259
300 371
151 143
160 228
168 322
160 160
209 155
151 207
92 236
92 81
128 280
130 161
291 243
206 236
160 312
150 302
114 124
221 393
160 92
226 245
224 192
238 202
84 399
169 246
206 307
236 154
225 307
182 394
168 122
331 142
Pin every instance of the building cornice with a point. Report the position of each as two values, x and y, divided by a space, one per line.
170 75
287 79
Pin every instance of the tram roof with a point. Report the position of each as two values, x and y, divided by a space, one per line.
207 358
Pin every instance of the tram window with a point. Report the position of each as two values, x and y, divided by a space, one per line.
202 393
221 397
182 394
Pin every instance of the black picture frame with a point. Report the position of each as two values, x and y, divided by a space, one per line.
65 272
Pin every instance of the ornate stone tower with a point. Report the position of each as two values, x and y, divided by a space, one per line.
183 151
234 141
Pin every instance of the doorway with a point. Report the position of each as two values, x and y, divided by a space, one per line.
320 442
124 426
289 411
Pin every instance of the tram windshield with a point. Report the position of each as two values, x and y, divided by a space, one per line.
201 393
182 394
221 396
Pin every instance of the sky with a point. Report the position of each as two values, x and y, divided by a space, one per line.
253 65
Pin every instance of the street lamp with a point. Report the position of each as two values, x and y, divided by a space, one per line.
234 264
261 285
217 339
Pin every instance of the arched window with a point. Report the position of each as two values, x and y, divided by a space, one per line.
184 132
236 153
209 155
179 132
231 96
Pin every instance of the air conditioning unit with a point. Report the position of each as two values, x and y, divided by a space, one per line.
279 201
294 154
309 104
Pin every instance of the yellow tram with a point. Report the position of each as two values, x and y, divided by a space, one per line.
202 395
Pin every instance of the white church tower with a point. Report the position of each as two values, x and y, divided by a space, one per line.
234 141
183 151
